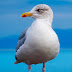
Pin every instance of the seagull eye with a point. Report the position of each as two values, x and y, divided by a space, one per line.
39 10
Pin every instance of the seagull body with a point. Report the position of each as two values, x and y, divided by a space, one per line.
39 43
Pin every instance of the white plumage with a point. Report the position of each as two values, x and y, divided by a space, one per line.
41 43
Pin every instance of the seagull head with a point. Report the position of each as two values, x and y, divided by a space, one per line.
40 11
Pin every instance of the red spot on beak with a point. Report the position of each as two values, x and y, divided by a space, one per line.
24 16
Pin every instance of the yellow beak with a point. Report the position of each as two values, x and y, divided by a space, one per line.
26 14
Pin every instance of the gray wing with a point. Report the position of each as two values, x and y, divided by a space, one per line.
22 39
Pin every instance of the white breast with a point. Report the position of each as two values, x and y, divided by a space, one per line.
41 44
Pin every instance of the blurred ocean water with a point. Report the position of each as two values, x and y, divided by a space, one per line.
62 63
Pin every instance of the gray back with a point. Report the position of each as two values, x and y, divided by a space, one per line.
22 39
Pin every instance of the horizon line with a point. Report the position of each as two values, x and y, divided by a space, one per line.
15 49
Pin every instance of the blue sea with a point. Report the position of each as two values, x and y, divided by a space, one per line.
62 63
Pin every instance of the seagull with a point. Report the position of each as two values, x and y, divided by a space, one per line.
39 43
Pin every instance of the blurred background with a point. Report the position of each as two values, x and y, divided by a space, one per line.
12 25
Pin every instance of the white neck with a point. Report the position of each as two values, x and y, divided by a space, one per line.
46 21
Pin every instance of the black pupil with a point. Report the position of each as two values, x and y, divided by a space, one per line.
39 10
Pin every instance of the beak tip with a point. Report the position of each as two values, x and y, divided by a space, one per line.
26 14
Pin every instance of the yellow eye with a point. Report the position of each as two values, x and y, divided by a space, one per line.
39 10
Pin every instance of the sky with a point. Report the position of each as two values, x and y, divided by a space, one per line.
11 22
